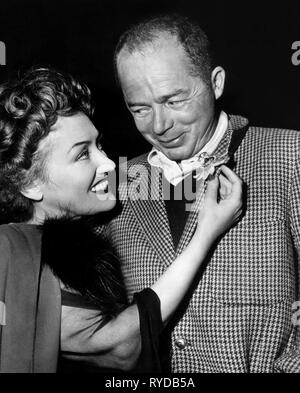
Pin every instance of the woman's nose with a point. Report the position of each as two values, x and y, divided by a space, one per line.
104 163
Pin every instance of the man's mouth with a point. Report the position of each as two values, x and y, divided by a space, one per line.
174 142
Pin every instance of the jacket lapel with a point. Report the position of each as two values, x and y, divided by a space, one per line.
145 195
192 220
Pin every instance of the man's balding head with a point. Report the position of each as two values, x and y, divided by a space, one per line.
187 32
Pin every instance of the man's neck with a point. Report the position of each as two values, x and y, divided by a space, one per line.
208 134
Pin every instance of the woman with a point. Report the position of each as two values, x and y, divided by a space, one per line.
52 167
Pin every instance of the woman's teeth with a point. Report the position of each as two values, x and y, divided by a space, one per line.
101 186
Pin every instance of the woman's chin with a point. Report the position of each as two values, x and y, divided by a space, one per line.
106 201
99 202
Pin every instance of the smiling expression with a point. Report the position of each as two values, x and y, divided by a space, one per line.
76 169
172 109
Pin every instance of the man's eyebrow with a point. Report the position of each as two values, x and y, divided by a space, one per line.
160 99
166 97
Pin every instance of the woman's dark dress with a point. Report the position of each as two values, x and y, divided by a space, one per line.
30 298
30 331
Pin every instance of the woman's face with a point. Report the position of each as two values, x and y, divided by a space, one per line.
76 169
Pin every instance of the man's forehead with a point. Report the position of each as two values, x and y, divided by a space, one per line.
156 79
154 40
152 49
161 63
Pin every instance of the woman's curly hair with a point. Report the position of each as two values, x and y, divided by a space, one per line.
29 107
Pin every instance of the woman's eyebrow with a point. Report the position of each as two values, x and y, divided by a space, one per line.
79 144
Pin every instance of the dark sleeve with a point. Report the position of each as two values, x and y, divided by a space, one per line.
151 326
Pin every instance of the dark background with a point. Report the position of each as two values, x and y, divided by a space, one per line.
253 41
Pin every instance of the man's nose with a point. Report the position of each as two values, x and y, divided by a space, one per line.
161 120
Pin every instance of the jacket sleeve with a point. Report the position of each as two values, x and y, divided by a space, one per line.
294 205
289 361
294 211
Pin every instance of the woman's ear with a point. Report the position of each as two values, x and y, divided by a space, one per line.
218 81
33 192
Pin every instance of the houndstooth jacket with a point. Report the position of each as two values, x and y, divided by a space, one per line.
238 317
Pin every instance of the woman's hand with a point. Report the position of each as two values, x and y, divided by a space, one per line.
118 344
222 205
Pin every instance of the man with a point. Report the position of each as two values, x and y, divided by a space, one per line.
238 316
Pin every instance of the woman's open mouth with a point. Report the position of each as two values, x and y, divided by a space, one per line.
101 186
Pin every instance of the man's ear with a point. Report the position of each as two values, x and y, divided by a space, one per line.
218 81
33 192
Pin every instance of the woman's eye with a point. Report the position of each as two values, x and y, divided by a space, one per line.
83 155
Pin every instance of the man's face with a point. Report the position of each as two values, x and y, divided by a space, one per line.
173 110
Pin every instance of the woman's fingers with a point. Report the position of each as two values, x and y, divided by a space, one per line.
234 187
231 176
225 186
234 180
212 189
217 213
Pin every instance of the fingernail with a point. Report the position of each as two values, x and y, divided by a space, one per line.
218 171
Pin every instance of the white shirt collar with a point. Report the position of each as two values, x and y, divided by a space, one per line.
174 172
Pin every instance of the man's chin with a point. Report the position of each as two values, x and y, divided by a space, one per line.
177 154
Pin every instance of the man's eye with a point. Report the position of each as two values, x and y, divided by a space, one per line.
140 111
176 104
83 155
